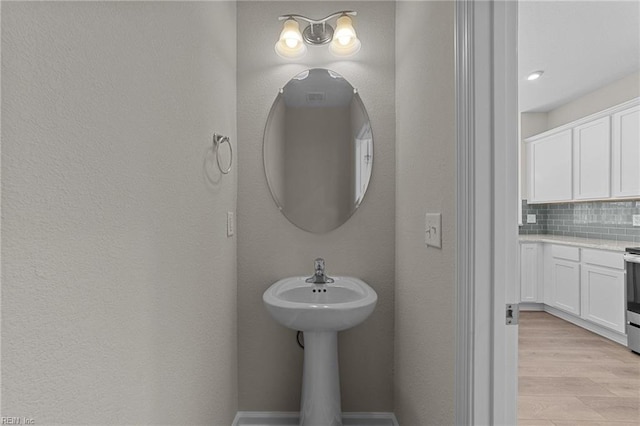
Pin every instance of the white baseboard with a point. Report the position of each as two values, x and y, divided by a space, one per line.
284 418
531 306
595 328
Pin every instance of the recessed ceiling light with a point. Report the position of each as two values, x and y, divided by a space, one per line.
535 75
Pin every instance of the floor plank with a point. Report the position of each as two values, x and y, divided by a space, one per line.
555 408
561 386
570 376
616 408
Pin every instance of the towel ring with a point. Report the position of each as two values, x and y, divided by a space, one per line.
217 141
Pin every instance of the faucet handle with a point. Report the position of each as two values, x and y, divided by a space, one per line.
319 264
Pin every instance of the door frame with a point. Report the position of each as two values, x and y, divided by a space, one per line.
486 211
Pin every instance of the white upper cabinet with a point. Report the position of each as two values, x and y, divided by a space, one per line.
550 177
592 160
626 153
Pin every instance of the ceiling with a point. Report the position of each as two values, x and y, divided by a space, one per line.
580 45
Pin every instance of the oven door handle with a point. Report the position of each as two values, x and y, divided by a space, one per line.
632 258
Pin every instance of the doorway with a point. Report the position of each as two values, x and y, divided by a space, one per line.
578 64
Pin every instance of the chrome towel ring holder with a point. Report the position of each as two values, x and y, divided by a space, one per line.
217 141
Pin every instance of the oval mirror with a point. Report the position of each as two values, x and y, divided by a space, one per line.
318 150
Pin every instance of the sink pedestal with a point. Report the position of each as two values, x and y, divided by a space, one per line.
320 403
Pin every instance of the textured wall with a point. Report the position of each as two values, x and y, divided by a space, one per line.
425 143
270 247
118 280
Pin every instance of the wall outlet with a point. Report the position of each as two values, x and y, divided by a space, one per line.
531 218
231 227
433 226
636 220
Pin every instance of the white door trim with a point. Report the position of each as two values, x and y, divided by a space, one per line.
464 363
486 211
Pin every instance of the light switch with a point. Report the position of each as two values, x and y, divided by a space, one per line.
230 224
636 220
432 236
531 218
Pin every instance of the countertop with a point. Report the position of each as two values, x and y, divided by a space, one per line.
579 242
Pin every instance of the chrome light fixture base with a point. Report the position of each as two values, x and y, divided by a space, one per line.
318 34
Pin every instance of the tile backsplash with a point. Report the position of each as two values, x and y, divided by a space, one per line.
608 220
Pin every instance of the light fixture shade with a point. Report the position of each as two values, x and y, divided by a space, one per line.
345 42
290 44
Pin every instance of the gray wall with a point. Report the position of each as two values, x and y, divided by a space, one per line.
607 96
425 152
270 247
118 279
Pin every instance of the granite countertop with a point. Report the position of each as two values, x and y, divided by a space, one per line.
612 245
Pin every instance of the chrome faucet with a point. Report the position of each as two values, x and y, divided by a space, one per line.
319 277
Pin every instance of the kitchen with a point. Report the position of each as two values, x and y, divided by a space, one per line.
579 334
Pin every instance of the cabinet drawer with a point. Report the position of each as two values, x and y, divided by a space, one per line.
565 252
607 259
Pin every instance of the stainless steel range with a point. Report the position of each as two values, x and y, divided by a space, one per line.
632 259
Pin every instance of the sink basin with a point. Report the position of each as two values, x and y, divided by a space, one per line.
320 311
304 306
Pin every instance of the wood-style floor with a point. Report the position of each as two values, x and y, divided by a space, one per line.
570 376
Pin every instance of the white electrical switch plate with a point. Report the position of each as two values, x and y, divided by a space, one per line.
433 226
636 220
230 224
531 218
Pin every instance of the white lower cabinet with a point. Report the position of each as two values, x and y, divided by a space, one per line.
565 285
603 297
588 284
530 279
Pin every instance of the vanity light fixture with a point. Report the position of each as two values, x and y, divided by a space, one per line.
344 41
535 75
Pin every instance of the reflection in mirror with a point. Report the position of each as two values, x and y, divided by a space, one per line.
318 150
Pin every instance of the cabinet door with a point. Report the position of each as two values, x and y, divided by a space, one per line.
550 168
529 276
626 153
603 297
592 159
566 285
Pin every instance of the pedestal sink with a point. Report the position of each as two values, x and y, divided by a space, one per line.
320 311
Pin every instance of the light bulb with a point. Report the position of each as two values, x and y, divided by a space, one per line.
345 42
290 44
535 75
